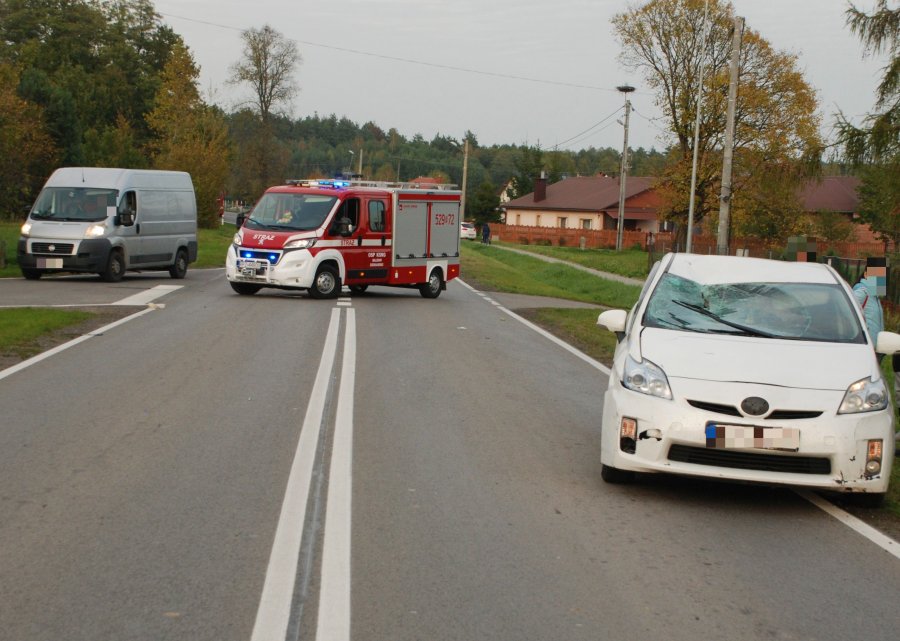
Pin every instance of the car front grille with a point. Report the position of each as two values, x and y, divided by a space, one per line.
52 248
749 460
776 415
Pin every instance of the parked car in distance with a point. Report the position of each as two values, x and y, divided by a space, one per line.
467 231
749 370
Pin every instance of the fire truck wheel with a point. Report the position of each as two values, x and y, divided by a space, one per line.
245 289
432 289
326 284
358 289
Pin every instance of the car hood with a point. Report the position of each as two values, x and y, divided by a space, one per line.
787 363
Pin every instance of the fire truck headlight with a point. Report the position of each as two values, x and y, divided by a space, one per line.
236 240
303 243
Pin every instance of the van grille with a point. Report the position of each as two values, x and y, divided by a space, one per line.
749 460
52 248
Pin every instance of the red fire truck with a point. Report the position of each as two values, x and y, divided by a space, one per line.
321 234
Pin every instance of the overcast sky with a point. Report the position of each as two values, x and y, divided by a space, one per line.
512 71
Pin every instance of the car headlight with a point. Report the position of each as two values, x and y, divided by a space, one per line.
864 396
303 243
95 231
236 240
26 229
646 378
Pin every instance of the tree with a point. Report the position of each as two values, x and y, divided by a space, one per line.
528 167
27 153
267 66
483 207
192 136
775 122
875 146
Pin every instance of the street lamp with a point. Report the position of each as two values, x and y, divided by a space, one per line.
625 89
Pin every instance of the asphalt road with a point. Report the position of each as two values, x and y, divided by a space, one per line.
440 461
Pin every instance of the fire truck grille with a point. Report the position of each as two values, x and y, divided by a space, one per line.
255 254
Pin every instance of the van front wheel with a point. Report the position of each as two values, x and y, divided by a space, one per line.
115 268
31 274
245 289
326 284
179 267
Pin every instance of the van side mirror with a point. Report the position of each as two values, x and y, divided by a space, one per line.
125 218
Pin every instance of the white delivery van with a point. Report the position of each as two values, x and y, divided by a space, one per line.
107 221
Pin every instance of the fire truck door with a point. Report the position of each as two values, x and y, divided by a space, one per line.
368 258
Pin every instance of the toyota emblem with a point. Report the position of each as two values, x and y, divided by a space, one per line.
755 406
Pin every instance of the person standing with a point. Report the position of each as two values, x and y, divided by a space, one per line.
486 234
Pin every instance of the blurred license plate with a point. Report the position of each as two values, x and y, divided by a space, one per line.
749 436
250 267
50 263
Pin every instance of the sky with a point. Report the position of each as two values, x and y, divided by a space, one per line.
534 72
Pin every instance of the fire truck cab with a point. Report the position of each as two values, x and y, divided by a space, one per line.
319 235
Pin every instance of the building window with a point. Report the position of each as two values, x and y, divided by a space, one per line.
538 223
585 223
561 222
518 219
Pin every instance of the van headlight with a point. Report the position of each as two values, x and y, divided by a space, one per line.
95 231
26 229
303 243
647 378
236 240
864 396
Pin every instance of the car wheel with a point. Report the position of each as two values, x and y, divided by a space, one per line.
358 289
115 268
326 284
180 266
245 289
432 289
31 274
615 475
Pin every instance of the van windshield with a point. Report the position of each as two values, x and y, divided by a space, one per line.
86 204
290 212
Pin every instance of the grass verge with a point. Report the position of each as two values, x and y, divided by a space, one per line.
630 262
22 327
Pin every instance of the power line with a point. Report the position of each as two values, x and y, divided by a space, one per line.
408 60
595 125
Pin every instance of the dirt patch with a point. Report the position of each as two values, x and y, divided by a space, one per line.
100 316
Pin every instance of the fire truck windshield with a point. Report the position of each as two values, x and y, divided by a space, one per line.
287 211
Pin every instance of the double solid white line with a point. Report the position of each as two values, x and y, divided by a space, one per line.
274 612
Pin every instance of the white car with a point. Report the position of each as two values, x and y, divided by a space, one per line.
467 231
749 370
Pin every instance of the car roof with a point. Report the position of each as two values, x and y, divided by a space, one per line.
708 269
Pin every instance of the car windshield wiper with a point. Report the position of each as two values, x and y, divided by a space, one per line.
749 331
42 215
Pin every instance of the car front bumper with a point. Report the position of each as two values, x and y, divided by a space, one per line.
672 437
294 269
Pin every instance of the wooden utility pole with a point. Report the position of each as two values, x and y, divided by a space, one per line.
623 171
725 197
462 199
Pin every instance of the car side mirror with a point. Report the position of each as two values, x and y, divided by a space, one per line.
887 343
125 218
614 321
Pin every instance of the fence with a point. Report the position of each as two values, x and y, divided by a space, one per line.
848 258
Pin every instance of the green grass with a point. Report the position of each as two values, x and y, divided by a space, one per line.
630 262
21 327
578 327
499 270
212 245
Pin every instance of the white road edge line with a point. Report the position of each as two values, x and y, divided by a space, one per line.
587 359
881 540
148 295
273 614
333 621
18 367
876 537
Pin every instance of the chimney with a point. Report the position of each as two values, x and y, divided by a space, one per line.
540 188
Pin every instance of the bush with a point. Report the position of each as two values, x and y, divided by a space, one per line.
562 241
523 240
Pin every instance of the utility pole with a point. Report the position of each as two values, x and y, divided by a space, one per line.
462 198
703 39
625 89
725 197
359 171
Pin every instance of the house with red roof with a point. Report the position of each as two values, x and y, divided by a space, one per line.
589 202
